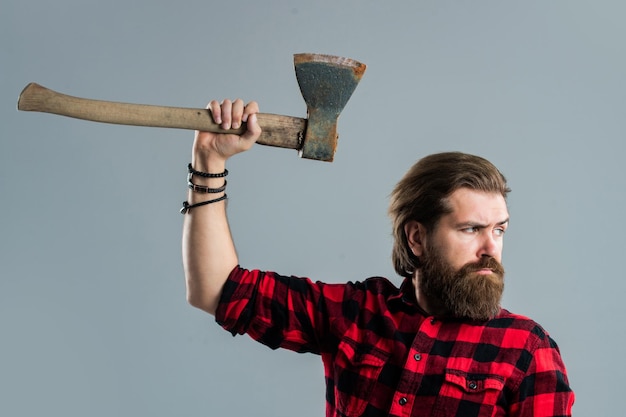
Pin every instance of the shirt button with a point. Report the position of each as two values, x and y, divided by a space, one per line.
433 321
473 385
417 357
403 401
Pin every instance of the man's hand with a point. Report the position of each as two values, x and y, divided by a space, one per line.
213 149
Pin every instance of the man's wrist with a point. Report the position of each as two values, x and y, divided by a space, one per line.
207 181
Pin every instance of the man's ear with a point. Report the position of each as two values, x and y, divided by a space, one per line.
415 234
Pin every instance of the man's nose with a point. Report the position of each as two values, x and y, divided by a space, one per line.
489 246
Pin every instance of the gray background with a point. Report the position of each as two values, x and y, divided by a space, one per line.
93 315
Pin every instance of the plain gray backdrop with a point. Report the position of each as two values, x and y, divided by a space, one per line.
93 315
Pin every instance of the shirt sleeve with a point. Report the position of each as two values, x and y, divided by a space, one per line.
279 311
544 391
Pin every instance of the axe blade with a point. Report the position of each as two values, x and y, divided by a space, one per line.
326 83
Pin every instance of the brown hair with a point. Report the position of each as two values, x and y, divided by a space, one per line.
421 195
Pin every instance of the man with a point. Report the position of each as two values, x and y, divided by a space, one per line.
440 345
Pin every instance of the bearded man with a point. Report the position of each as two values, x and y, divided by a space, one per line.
438 346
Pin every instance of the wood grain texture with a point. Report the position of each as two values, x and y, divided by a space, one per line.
278 130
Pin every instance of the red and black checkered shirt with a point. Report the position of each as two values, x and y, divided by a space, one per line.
384 356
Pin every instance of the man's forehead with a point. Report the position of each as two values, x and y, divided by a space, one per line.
477 206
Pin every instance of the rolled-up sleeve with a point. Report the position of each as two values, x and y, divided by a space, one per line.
278 311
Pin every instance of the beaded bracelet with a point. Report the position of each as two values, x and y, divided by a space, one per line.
187 207
204 189
206 174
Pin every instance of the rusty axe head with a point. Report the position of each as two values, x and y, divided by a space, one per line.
326 83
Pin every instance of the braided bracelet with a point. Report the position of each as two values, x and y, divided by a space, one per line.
206 174
187 207
205 189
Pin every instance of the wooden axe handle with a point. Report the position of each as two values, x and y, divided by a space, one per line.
278 130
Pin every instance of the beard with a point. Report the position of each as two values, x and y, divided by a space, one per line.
461 293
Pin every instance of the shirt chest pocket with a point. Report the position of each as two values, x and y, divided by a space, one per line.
356 372
465 393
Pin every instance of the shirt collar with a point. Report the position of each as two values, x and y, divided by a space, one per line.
407 298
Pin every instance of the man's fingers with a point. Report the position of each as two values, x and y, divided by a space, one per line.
227 108
253 130
250 108
237 113
216 111
231 114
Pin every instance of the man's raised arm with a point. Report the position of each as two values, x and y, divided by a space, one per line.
209 253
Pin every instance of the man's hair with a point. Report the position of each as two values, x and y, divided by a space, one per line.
422 195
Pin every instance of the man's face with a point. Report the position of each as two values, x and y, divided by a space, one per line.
461 274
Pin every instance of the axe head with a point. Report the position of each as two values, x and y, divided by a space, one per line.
326 83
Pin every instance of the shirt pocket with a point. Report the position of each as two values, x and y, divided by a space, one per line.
357 369
472 394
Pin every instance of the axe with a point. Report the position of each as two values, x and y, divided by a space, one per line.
326 83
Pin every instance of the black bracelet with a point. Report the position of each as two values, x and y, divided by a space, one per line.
187 207
204 189
206 174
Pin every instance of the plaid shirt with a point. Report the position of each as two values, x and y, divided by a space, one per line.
384 356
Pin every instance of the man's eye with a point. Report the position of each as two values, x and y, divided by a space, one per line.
472 229
499 231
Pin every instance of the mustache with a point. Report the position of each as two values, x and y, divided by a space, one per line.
486 262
